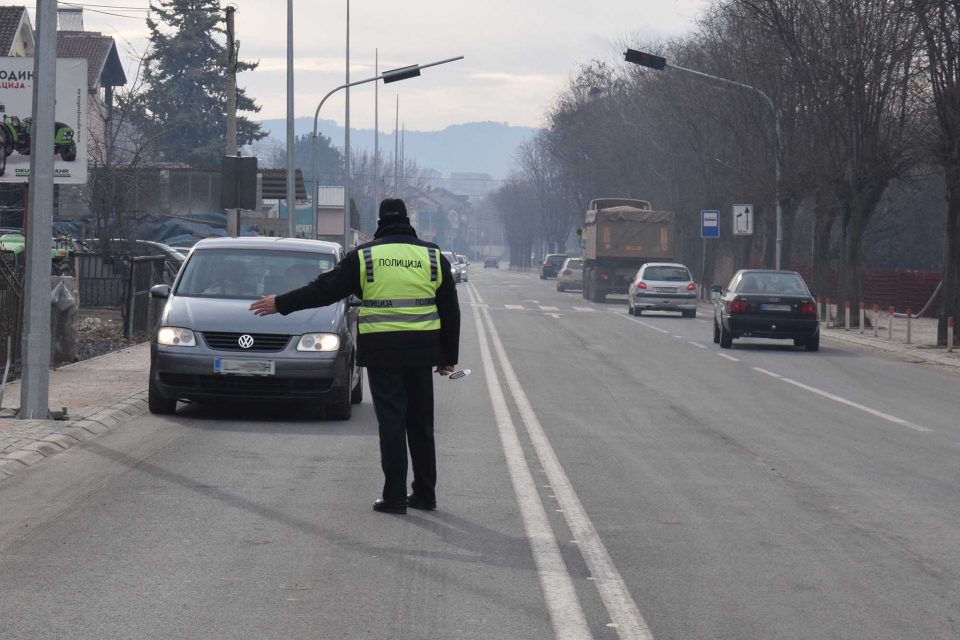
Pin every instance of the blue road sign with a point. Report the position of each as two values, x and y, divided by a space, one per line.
709 223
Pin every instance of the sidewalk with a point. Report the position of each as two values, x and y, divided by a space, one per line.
98 394
923 339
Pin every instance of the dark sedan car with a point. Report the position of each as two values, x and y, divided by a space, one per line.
211 348
766 304
551 265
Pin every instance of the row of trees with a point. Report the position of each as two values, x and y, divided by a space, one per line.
868 96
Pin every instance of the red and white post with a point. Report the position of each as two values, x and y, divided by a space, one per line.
863 316
846 315
890 311
876 320
820 308
909 321
828 320
950 334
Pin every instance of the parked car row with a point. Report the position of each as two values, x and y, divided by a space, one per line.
758 303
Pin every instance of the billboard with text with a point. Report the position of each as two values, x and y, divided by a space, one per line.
70 129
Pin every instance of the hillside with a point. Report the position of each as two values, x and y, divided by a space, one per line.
477 147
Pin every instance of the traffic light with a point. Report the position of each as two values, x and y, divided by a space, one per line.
645 59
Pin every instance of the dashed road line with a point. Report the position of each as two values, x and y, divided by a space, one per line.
697 344
513 306
549 308
584 309
855 405
730 358
767 373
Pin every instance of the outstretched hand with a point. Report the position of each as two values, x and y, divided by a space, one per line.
265 306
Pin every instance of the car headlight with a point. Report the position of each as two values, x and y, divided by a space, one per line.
319 342
176 337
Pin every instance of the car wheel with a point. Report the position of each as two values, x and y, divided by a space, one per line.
726 338
159 405
690 314
637 311
560 288
813 344
799 342
356 396
343 409
716 332
542 277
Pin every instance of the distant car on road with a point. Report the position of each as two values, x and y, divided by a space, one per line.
570 275
454 265
491 263
663 286
211 348
551 265
463 265
766 304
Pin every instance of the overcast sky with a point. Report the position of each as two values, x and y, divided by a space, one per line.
519 54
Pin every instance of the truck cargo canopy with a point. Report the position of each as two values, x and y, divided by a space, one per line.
632 214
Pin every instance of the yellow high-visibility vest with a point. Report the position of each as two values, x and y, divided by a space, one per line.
399 283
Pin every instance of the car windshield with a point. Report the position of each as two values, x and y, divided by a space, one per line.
784 283
555 259
667 274
574 264
249 273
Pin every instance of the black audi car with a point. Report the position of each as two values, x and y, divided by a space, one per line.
761 303
209 347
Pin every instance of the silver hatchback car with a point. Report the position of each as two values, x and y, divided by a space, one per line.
663 286
209 347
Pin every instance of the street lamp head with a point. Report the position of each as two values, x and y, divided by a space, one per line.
645 59
403 73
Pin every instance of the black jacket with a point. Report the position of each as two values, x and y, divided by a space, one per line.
388 349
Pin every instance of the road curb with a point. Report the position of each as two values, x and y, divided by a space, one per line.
37 440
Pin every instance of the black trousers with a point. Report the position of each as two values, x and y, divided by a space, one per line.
403 401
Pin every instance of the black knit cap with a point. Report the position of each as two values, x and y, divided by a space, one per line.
393 210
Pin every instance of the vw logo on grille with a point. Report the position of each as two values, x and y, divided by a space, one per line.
245 341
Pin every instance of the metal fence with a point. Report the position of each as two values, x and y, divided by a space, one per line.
142 312
11 315
120 281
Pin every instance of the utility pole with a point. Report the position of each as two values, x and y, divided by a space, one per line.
233 215
35 388
291 156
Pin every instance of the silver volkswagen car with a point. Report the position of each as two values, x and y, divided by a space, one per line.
209 347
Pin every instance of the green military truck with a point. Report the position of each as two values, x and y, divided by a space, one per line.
619 235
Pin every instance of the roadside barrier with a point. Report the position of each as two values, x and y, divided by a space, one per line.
876 319
846 315
863 316
909 323
826 316
890 311
820 309
950 334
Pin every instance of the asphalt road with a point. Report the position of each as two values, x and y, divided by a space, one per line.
601 476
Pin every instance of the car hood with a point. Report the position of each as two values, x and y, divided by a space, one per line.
229 314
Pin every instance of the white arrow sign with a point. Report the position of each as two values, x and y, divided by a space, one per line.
743 219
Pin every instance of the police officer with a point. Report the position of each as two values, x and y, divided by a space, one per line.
408 323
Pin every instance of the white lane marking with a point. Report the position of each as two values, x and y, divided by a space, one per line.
513 306
563 605
555 316
855 405
613 590
548 308
697 344
533 301
730 358
641 322
768 373
584 309
678 337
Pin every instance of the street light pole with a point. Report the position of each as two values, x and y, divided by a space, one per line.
659 63
346 148
291 156
394 75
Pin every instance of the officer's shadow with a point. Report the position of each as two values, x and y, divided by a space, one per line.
480 543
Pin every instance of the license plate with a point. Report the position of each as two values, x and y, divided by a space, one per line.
775 307
244 367
667 289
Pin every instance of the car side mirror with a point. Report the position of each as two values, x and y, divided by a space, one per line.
160 291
